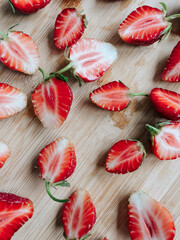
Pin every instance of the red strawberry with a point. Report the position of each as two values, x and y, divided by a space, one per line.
148 219
125 156
12 100
113 96
171 72
4 153
52 101
165 140
69 27
105 239
29 6
14 212
145 25
79 215
166 103
19 52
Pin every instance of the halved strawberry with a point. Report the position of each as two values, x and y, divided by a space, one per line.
113 96
69 27
12 100
79 215
165 140
125 156
19 52
171 72
148 219
52 101
4 153
166 103
14 212
29 6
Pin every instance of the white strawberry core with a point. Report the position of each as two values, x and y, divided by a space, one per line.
4 149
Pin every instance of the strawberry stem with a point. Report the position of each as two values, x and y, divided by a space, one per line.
152 130
3 34
66 68
13 9
43 73
172 17
138 94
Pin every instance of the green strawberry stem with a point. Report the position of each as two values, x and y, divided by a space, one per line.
138 94
3 34
51 196
152 129
53 75
13 9
65 69
43 73
174 16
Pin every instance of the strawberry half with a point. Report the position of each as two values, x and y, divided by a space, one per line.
165 140
113 96
148 219
171 72
145 25
14 212
69 27
166 103
12 100
4 153
125 156
78 216
19 52
29 6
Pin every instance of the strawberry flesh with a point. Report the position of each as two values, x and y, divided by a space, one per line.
4 153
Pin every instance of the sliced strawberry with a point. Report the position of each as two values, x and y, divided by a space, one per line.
52 102
125 156
165 140
69 27
12 100
166 103
148 219
105 239
14 212
29 6
171 72
79 215
4 153
113 96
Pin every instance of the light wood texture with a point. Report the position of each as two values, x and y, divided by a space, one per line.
92 130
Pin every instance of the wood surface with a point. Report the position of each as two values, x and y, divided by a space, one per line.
92 130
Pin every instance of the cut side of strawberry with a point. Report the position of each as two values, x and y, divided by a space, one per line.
125 156
14 212
12 100
4 153
166 103
19 52
148 219
79 215
69 27
165 140
171 72
113 96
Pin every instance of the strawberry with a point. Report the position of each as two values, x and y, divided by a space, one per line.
105 239
19 52
145 25
166 103
125 156
4 153
69 27
171 72
57 162
28 6
12 100
148 219
113 96
78 216
14 212
165 140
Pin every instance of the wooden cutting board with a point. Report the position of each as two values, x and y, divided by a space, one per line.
92 130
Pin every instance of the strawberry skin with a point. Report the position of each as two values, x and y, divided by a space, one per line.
12 100
69 28
57 161
171 72
148 219
4 153
144 26
166 103
125 156
14 212
19 52
52 102
79 215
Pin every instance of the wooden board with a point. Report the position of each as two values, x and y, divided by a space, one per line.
92 130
